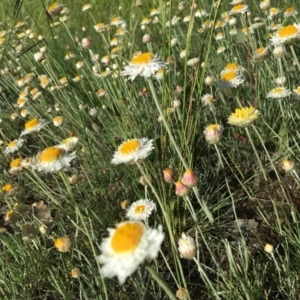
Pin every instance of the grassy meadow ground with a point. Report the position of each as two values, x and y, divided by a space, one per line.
228 179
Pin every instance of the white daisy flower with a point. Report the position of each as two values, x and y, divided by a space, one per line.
286 35
239 9
132 151
13 146
52 159
290 12
140 210
230 79
207 99
127 247
68 144
34 125
144 64
279 92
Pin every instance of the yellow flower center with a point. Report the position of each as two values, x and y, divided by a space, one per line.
260 50
143 58
33 91
115 20
298 90
140 209
32 123
213 127
53 6
273 10
238 7
57 119
219 24
16 163
231 67
278 90
12 144
50 154
129 146
127 237
229 76
287 31
21 101
244 113
290 9
7 188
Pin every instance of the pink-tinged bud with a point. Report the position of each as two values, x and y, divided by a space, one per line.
189 178
179 89
146 38
180 189
213 133
170 175
86 43
187 247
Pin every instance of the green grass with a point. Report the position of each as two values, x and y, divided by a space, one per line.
243 200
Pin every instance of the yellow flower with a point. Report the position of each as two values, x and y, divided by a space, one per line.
243 117
62 244
7 188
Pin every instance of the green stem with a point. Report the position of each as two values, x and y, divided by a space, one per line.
153 92
160 281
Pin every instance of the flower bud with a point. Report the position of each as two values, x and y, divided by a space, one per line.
189 178
287 165
86 43
170 175
279 51
269 248
213 133
187 246
180 189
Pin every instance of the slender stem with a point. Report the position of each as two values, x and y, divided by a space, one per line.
160 281
295 57
256 154
153 92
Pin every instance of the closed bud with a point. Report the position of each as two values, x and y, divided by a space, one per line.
189 178
181 189
170 175
187 247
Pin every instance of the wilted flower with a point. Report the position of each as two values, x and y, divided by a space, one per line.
62 244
